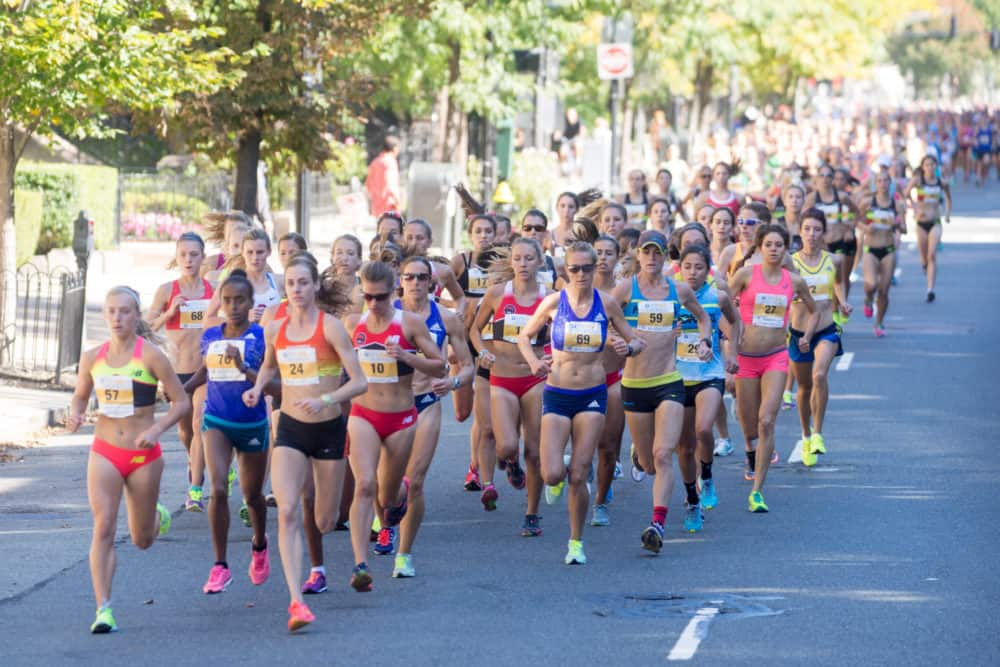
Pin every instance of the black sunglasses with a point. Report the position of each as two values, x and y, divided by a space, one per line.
416 276
577 268
376 297
533 228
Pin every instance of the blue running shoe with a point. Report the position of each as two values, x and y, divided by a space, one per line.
709 498
692 518
385 543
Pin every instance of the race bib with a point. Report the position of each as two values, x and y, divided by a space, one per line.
582 337
512 325
478 280
221 369
114 396
687 346
193 313
819 286
378 366
657 316
487 332
769 310
298 366
547 278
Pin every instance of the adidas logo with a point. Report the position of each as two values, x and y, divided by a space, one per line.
435 327
594 404
427 399
251 336
599 318
254 442
408 419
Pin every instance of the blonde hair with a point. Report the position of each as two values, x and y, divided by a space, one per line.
501 270
142 328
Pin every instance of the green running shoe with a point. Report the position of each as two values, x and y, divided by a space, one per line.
245 515
574 554
104 623
165 518
756 503
230 480
403 567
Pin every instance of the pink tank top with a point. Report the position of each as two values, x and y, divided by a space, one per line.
766 305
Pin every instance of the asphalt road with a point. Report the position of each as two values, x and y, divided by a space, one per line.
882 554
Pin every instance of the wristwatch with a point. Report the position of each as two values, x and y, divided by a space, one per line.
707 342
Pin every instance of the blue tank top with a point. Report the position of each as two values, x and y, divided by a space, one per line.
226 384
649 315
691 368
434 324
984 138
579 334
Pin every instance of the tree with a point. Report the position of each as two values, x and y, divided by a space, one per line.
64 64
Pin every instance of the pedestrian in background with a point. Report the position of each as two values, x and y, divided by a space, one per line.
382 182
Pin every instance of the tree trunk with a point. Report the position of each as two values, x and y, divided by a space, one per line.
8 241
450 141
247 157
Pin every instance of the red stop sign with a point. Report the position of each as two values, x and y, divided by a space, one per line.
614 61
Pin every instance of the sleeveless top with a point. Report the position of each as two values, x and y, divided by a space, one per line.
834 211
819 279
378 366
571 333
547 276
434 323
881 219
651 315
120 390
304 362
636 211
930 191
192 313
766 305
510 317
269 298
226 384
732 202
474 279
692 368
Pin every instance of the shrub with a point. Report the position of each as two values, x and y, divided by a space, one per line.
27 223
188 209
154 227
58 191
534 179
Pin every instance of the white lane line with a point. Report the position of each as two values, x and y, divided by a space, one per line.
844 363
696 630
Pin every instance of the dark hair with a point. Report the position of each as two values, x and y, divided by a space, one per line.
482 216
758 240
306 255
629 233
257 234
658 200
697 249
214 223
693 226
378 272
619 207
390 143
350 238
664 170
728 211
760 210
390 215
610 239
584 229
499 217
571 195
238 278
814 213
295 238
535 213
192 236
417 258
423 223
334 294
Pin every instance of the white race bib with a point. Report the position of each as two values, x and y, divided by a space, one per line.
114 396
478 280
769 310
193 313
655 316
298 366
221 369
582 337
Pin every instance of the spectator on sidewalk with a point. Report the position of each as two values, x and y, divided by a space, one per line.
382 182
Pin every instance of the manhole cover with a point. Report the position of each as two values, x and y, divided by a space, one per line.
663 605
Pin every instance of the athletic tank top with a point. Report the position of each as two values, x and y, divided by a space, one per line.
547 275
434 324
269 298
281 312
819 279
636 211
657 316
378 366
571 333
881 219
929 192
304 362
510 317
675 269
692 368
766 305
834 210
226 383
191 314
732 202
123 389
474 280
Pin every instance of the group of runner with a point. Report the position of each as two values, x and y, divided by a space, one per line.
328 380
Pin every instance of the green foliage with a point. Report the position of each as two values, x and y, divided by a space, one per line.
347 161
534 179
188 209
28 206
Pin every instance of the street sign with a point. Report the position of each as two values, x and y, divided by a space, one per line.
614 61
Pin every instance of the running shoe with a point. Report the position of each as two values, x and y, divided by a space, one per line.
574 554
229 481
361 579
532 526
610 495
315 584
404 567
869 311
515 474
930 296
756 503
385 543
879 332
652 537
709 497
104 622
693 519
553 494
638 474
808 455
393 515
817 444
723 447
299 616
270 500
853 277
774 456
747 472
787 400
601 516
219 579
260 564
472 480
245 515
489 498
165 518
194 501
618 470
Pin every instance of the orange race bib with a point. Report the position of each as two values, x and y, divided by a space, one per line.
221 369
378 366
193 313
114 396
769 310
298 366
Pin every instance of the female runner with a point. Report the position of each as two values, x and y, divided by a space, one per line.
216 229
794 197
383 419
765 292
636 199
931 192
567 206
881 219
445 327
515 390
534 225
180 306
613 219
822 272
839 210
126 453
722 225
575 395
268 290
307 349
718 195
652 389
704 382
416 242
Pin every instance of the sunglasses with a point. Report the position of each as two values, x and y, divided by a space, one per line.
826 175
747 222
704 176
376 297
416 276
577 268
532 228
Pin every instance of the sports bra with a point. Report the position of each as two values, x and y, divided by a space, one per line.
123 389
691 367
191 314
819 279
929 191
304 362
651 315
547 276
732 202
766 305
378 366
434 323
881 219
510 317
269 298
474 280
834 210
571 333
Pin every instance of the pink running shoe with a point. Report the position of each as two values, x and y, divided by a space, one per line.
869 311
879 332
218 580
489 498
260 564
299 616
472 480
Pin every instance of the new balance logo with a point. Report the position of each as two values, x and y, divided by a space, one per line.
594 404
408 419
138 460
